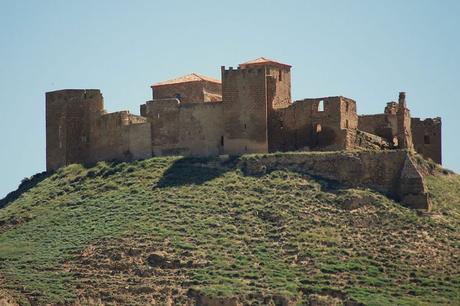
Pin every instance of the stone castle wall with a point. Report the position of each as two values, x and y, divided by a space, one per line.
278 87
397 127
185 129
390 172
120 136
78 130
247 121
250 112
313 124
383 125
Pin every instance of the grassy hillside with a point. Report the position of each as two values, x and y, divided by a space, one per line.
177 231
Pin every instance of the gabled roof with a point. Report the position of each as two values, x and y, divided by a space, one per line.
261 61
193 77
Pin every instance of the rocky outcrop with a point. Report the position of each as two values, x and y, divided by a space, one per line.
6 299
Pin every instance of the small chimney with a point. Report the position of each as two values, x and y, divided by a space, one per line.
402 99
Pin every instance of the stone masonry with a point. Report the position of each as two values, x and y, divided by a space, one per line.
249 111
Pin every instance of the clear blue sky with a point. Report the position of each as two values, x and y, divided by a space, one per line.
365 50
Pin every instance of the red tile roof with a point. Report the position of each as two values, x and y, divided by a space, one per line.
261 61
193 77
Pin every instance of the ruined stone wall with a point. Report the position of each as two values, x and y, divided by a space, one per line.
328 125
404 124
278 99
253 115
426 135
185 129
372 124
69 114
349 116
307 125
367 141
390 172
278 87
244 95
404 130
394 125
382 125
290 129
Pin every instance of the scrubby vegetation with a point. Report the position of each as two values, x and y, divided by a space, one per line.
172 230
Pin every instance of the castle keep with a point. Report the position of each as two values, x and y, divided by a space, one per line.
249 111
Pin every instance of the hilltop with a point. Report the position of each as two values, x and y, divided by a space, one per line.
184 231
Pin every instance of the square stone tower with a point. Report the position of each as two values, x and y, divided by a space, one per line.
249 94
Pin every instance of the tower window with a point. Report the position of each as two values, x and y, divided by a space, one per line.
280 75
222 141
318 128
426 139
321 106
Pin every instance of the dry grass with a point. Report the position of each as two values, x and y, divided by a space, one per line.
171 229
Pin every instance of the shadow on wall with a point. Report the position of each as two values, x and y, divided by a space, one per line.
194 171
197 171
26 185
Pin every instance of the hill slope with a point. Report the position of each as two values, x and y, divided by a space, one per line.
178 231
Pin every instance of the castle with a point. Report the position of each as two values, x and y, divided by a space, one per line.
249 111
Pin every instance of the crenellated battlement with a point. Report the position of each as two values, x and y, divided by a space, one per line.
230 71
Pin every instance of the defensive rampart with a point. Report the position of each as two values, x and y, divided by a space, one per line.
392 173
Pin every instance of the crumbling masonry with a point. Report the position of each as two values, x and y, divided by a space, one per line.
249 111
